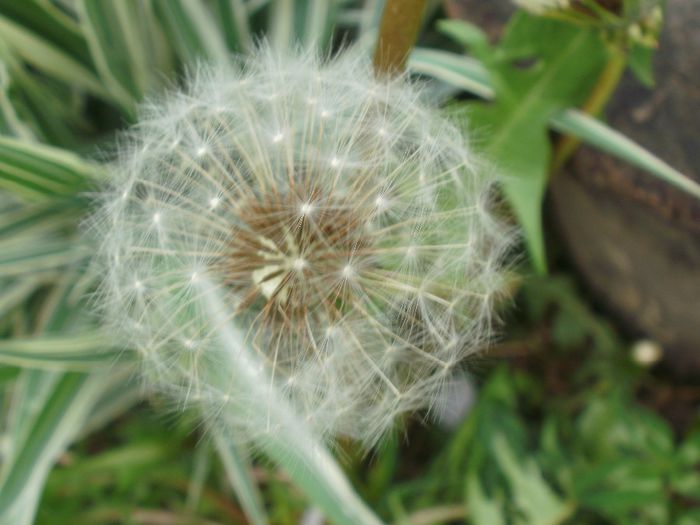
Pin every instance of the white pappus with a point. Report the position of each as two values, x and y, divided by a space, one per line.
344 222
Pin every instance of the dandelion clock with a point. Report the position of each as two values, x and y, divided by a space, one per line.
293 237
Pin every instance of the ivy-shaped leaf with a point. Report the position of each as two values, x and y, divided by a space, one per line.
540 67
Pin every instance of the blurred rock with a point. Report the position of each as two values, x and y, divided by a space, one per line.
634 239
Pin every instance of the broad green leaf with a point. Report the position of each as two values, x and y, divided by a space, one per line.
481 508
540 68
469 74
34 171
238 471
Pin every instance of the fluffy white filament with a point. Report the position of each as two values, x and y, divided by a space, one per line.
345 223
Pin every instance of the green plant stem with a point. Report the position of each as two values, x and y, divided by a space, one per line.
600 96
292 445
401 21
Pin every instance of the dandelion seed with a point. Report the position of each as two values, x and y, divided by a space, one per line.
348 271
381 203
306 208
299 264
201 151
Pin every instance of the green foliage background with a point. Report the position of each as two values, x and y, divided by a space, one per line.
565 428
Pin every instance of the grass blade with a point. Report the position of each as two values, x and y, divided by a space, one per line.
319 23
598 134
75 352
234 20
112 32
33 258
34 171
291 445
192 30
282 17
46 57
238 472
50 432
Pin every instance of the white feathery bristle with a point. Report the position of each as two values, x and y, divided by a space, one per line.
345 223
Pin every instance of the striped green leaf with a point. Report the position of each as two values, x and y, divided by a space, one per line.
191 29
75 352
34 171
123 43
235 24
32 258
45 56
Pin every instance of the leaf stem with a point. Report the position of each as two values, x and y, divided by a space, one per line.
401 21
600 96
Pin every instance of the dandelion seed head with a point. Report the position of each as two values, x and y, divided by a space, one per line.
358 272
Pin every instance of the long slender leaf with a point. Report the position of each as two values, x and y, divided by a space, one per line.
318 23
16 293
192 30
294 447
10 121
75 352
466 73
282 16
236 27
33 258
50 432
115 44
46 57
36 171
124 42
55 25
598 134
238 472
